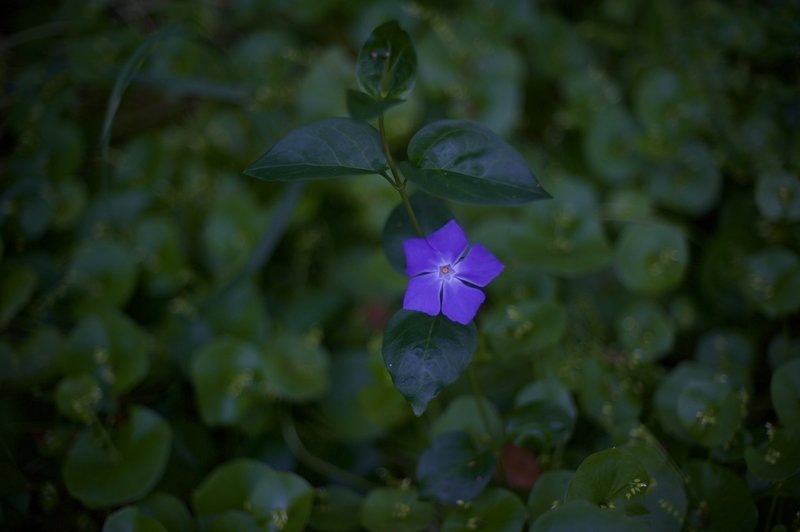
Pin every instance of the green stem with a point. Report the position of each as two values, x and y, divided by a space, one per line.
498 447
316 463
395 180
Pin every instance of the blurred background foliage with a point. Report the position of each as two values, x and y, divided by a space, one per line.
183 346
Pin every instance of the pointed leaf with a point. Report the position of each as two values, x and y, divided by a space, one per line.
333 147
423 354
465 161
432 213
387 63
454 468
364 107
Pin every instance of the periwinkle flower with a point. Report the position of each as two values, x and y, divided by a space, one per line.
444 274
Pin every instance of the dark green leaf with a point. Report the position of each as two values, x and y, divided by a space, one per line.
665 499
778 197
772 281
785 393
613 478
709 411
104 273
651 258
583 516
35 360
432 213
333 147
548 492
78 397
646 331
778 458
295 368
463 413
724 501
102 474
465 161
426 353
17 284
454 468
396 509
668 392
610 146
387 63
529 325
544 415
131 519
335 509
277 501
495 509
364 107
168 510
689 182
729 354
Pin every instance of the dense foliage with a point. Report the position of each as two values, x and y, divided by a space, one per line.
187 347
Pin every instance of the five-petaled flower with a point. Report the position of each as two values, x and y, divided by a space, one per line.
444 274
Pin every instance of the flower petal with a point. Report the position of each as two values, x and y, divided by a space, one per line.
460 302
450 241
424 294
420 257
479 267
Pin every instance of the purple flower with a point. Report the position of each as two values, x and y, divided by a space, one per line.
443 273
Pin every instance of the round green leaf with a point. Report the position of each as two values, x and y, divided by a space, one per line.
548 492
563 236
651 258
575 516
689 183
277 501
657 98
464 413
529 326
102 474
295 369
423 354
724 500
465 161
782 349
111 347
668 392
778 197
785 394
396 509
610 146
17 285
613 478
78 397
35 360
772 281
225 374
168 510
157 240
454 468
543 417
131 519
387 63
729 354
104 272
778 458
709 411
665 500
607 397
335 509
431 213
333 147
495 509
646 331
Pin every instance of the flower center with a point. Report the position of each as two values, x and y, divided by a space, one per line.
445 271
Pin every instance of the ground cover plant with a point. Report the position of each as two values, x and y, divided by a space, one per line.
393 266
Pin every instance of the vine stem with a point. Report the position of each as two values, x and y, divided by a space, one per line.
316 463
395 179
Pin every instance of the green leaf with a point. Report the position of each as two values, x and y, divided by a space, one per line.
364 107
709 411
778 197
78 397
646 331
665 499
296 368
464 413
111 347
778 458
104 273
548 492
724 500
613 478
495 509
527 326
465 161
611 146
333 147
454 468
100 474
432 213
396 509
584 516
131 519
423 354
225 374
387 63
17 285
335 509
729 354
668 393
772 281
608 398
169 510
689 182
785 393
651 258
543 417
277 501
34 361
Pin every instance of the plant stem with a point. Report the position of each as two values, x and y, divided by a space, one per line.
487 425
316 463
398 183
